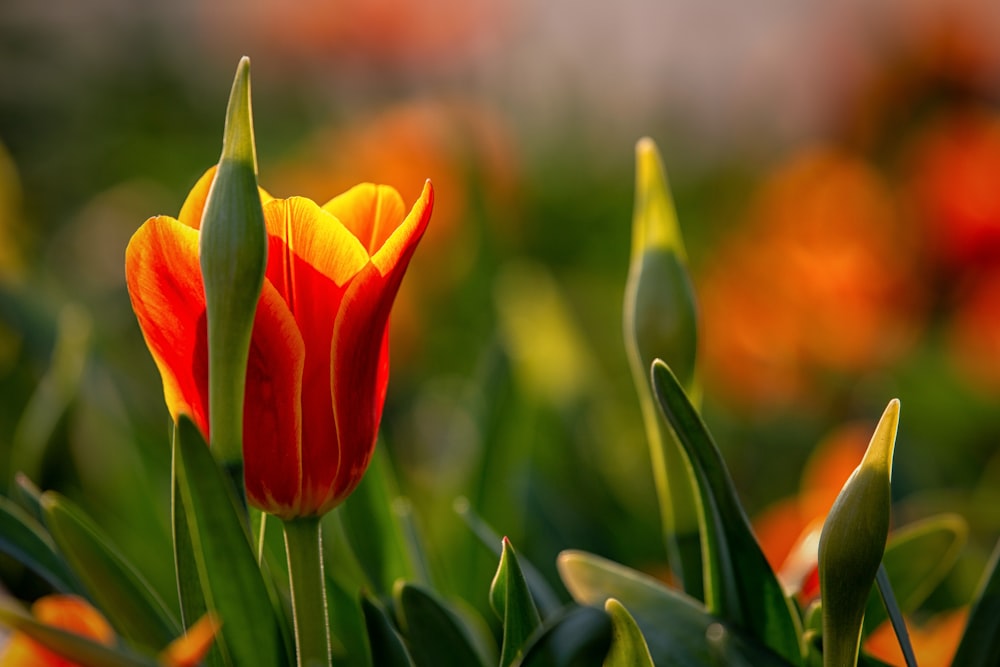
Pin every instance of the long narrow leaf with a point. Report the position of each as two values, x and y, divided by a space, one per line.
27 541
739 584
227 570
132 606
628 646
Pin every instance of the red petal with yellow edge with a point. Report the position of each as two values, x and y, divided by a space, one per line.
360 345
312 258
372 213
164 283
194 204
272 417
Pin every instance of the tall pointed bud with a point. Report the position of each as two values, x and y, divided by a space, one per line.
660 322
853 542
233 254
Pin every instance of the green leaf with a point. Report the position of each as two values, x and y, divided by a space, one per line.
674 624
434 634
28 497
511 600
917 558
387 646
226 570
740 585
980 644
374 524
80 650
27 541
628 646
545 599
130 604
579 637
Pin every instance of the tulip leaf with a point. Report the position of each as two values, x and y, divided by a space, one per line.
628 646
434 634
27 496
26 540
373 521
579 637
511 600
917 558
80 650
387 646
228 579
132 606
545 599
980 644
674 624
740 586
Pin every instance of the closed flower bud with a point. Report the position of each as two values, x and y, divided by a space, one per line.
852 544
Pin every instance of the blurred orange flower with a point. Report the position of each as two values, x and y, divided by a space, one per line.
788 530
463 147
934 642
76 615
952 191
66 612
820 281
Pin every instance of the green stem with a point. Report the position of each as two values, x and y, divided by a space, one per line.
303 544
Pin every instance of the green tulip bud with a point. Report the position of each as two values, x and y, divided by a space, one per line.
852 543
233 252
660 322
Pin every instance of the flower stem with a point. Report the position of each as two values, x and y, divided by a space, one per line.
305 571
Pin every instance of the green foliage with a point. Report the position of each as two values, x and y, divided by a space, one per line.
114 584
511 600
980 645
739 584
220 568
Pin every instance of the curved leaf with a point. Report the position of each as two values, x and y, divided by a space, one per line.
387 647
628 646
917 558
740 585
27 541
675 625
579 637
435 636
132 606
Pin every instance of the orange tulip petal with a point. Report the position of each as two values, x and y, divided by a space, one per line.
360 345
272 418
164 283
371 212
312 259
190 649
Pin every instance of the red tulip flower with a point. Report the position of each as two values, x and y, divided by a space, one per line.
319 358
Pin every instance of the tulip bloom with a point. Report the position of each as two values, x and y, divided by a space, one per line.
318 366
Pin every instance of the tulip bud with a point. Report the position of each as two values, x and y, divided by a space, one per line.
660 312
660 322
852 544
233 253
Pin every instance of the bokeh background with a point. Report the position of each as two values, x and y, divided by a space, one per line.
836 169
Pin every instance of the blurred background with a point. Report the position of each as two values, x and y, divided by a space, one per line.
836 169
